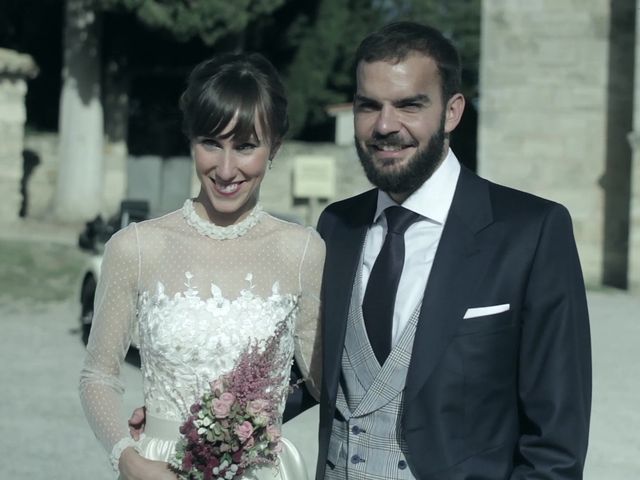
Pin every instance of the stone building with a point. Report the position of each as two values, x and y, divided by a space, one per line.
634 142
15 70
556 110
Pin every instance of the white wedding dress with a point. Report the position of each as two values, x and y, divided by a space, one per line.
196 295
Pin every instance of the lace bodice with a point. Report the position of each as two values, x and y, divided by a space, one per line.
180 354
195 295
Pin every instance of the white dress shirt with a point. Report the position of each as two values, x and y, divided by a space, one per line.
433 201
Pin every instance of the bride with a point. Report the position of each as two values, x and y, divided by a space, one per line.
204 283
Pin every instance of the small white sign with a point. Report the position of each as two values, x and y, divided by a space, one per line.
314 176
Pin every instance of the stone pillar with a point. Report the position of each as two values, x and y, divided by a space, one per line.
543 107
634 230
15 69
634 140
116 123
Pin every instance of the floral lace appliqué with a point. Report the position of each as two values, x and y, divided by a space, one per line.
217 232
187 341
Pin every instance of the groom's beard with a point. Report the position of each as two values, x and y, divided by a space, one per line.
418 169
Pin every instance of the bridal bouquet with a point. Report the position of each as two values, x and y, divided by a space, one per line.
234 425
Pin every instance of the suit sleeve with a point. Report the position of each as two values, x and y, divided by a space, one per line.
554 384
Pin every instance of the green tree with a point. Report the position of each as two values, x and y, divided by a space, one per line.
459 20
209 20
325 35
319 73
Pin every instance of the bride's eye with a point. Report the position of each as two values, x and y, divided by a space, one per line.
208 143
246 147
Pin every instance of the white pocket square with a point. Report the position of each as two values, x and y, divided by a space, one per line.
484 311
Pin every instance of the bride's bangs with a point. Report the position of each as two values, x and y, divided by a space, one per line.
234 99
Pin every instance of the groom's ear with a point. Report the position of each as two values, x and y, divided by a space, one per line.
453 112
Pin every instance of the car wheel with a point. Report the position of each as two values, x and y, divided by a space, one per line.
86 303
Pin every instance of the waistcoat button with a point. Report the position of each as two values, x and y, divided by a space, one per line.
402 464
356 459
355 430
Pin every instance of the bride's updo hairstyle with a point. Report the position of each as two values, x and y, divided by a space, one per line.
230 84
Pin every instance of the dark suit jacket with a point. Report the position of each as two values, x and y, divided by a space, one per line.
505 396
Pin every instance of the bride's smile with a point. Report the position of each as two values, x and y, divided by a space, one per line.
231 170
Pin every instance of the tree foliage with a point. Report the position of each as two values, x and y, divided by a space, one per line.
459 20
320 71
311 42
210 20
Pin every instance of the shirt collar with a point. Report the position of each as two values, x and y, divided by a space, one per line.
433 199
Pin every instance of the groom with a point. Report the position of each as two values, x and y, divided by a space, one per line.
455 328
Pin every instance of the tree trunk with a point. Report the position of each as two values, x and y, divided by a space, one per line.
116 125
80 174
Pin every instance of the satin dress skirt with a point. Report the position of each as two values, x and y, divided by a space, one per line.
161 436
302 431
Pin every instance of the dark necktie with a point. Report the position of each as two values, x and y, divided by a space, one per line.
380 294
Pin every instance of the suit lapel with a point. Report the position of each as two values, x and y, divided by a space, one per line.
344 247
452 277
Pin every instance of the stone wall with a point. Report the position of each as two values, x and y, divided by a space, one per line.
543 104
15 69
277 190
166 182
634 142
41 185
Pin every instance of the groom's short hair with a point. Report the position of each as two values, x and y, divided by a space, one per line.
395 41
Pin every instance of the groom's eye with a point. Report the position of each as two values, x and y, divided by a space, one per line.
365 106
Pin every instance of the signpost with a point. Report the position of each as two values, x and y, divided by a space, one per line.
314 179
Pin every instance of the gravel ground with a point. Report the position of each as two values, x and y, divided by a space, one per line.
614 452
44 432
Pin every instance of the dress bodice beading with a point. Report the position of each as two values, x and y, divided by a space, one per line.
187 341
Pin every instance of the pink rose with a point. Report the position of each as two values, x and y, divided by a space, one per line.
244 431
273 433
257 407
220 408
222 405
228 397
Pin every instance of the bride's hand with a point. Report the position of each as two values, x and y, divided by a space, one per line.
135 467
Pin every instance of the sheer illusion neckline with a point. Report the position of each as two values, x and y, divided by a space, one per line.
212 230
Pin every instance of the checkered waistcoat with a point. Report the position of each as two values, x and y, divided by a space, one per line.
369 445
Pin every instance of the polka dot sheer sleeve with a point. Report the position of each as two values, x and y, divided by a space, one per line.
307 336
114 314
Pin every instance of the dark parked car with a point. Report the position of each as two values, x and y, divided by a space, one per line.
91 241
